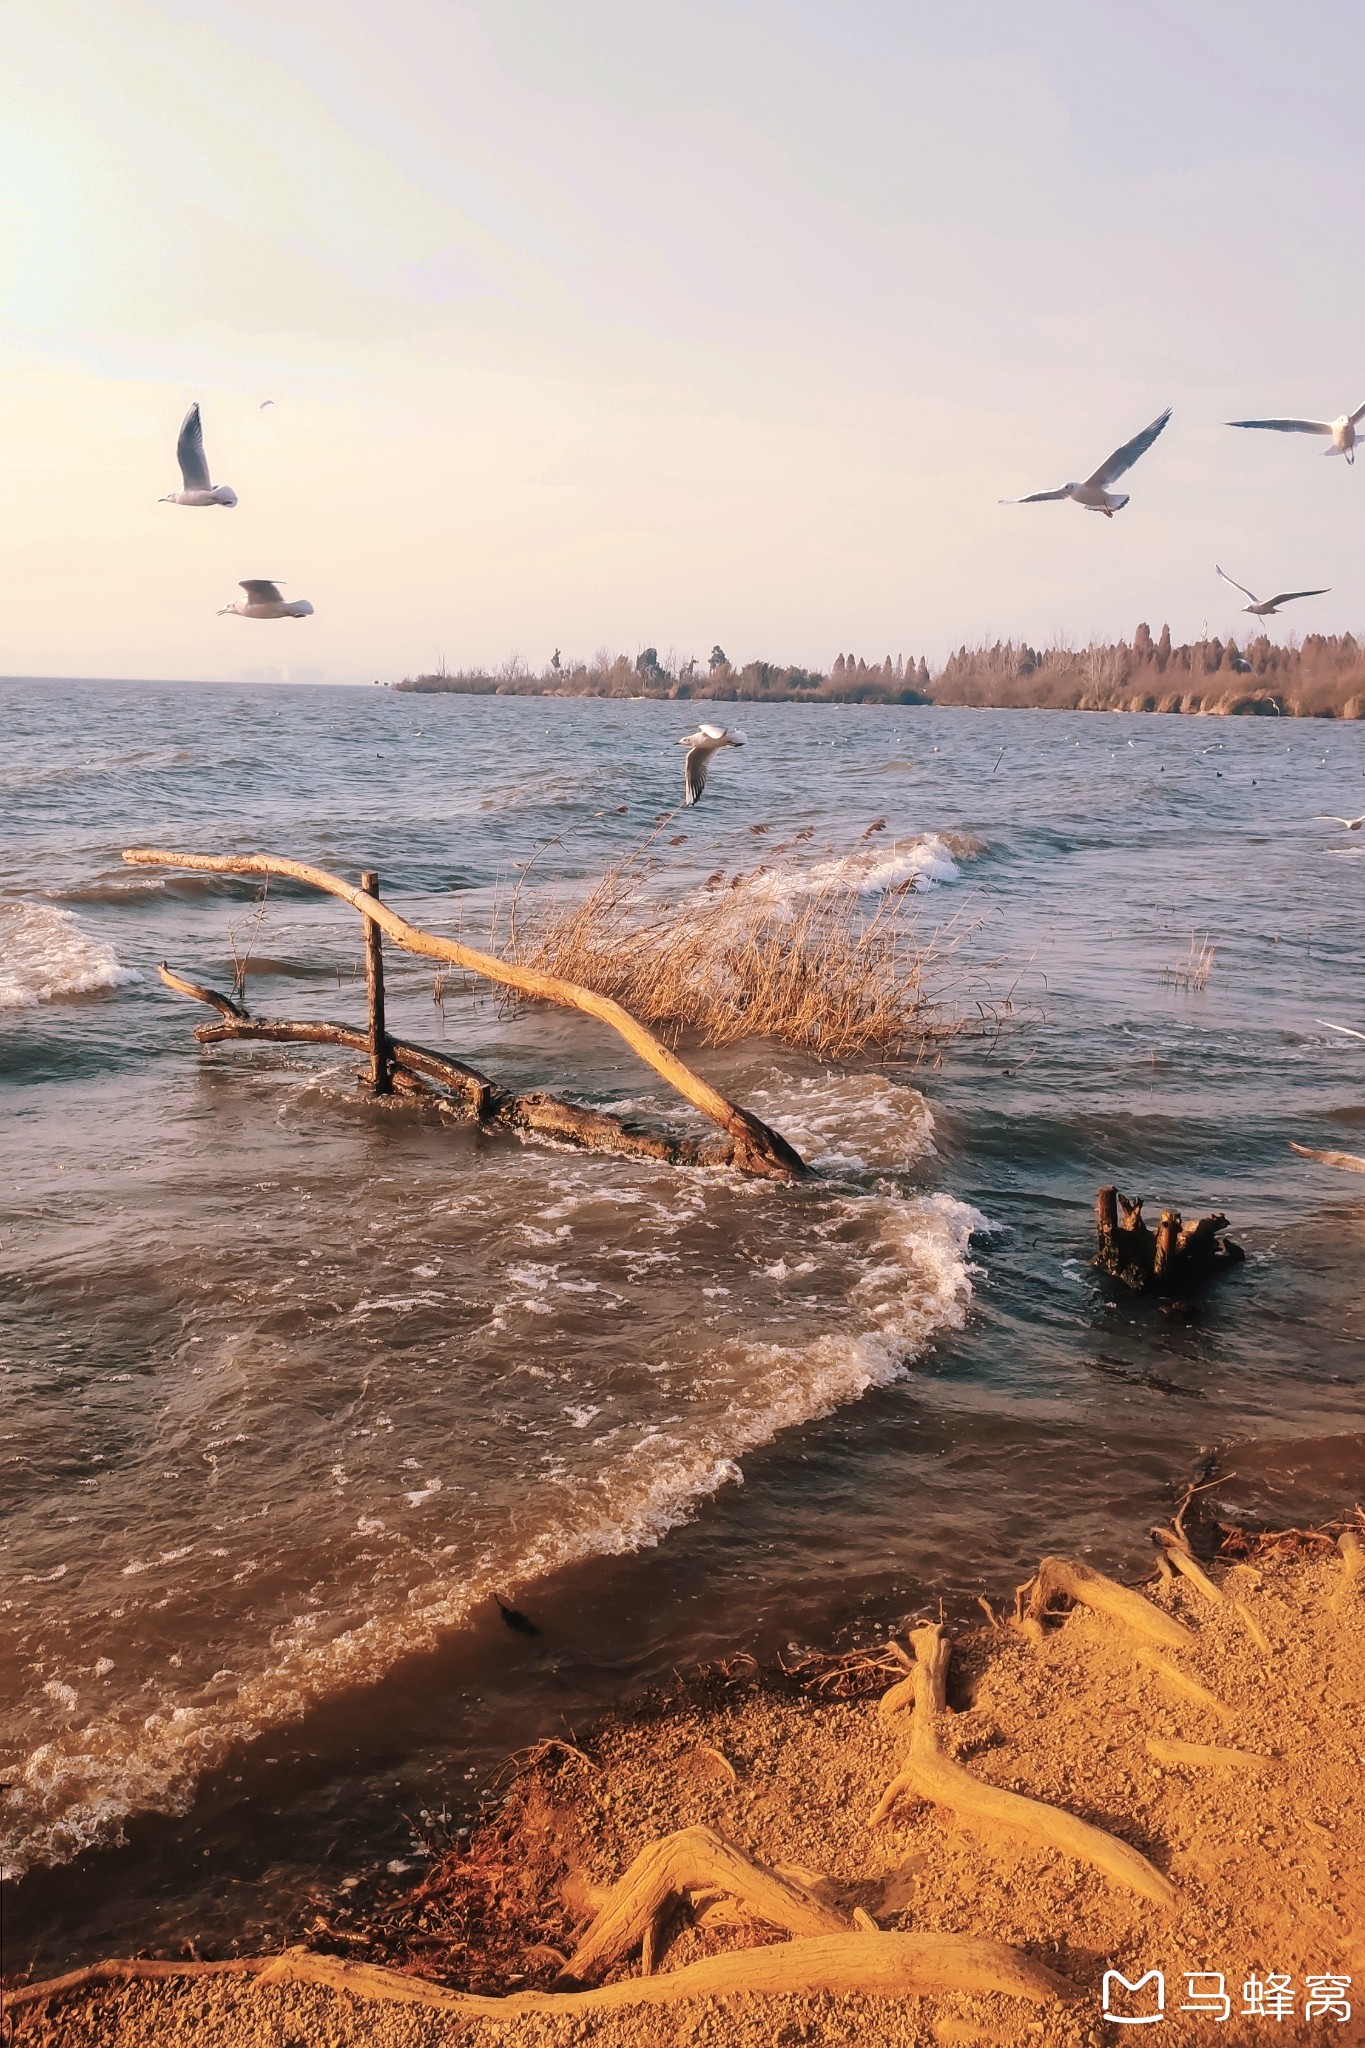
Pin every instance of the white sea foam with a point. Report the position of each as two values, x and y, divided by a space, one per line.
45 955
869 871
909 1281
842 1121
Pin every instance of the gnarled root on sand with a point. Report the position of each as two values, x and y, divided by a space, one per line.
1062 1575
667 1871
878 1965
931 1775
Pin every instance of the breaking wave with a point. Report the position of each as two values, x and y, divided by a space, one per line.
44 955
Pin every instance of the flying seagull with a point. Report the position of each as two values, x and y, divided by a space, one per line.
264 403
1342 431
701 745
194 468
263 601
1351 824
1265 607
1094 493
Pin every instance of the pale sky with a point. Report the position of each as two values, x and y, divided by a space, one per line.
613 322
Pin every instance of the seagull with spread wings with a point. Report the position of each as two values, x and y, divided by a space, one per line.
194 469
1266 607
1094 493
263 600
701 745
1351 824
1342 431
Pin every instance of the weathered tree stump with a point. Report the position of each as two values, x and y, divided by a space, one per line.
1171 1260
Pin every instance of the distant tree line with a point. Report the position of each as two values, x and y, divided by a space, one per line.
1323 677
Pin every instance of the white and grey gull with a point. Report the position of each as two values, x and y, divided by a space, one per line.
1266 607
1342 430
701 745
1094 492
265 600
199 488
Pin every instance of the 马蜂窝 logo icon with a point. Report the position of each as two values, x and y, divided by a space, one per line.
1137 2004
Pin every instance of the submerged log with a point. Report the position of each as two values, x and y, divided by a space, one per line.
460 1090
1168 1260
756 1148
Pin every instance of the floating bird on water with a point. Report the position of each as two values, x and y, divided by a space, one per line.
1351 824
702 744
1094 493
194 468
1265 607
263 601
520 1623
1342 431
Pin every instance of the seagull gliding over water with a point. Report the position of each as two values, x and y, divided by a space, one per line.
1351 824
1093 493
1342 431
1266 607
263 601
703 743
194 468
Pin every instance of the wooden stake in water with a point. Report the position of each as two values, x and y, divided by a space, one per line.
381 1054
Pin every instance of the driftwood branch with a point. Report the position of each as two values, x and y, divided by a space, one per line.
461 1089
757 1148
1350 1162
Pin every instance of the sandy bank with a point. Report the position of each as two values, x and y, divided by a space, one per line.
1216 1737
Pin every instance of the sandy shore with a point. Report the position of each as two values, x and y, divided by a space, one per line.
1220 1735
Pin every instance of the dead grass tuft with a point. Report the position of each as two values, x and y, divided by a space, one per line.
1194 970
791 950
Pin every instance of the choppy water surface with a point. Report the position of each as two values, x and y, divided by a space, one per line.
293 1381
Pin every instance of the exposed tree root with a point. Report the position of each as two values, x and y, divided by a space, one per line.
879 1965
130 1970
931 1775
1177 1550
1062 1575
1352 1567
876 1964
693 1860
1181 1684
1203 1755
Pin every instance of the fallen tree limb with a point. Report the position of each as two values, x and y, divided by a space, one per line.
1092 1589
461 1088
931 1775
758 1149
664 1873
1349 1161
877 1965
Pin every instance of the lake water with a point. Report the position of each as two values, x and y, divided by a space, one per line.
295 1381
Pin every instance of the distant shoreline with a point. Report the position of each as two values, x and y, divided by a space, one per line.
1323 677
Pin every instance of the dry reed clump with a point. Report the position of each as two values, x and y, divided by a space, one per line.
787 950
1194 970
